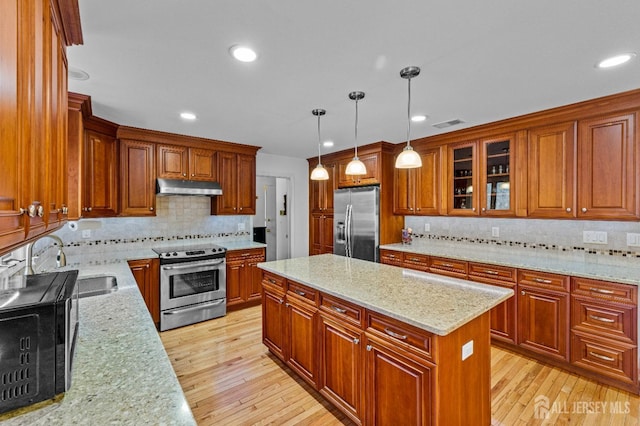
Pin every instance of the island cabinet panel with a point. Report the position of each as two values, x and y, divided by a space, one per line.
301 324
450 267
341 367
244 278
504 316
551 171
543 314
273 317
607 168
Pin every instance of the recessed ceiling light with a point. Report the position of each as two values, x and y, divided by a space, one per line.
243 53
78 74
327 144
418 118
188 116
615 60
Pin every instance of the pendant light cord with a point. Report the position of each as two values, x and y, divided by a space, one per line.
409 112
356 130
319 139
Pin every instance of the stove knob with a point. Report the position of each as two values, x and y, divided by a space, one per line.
175 253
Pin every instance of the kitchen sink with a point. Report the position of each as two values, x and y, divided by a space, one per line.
95 286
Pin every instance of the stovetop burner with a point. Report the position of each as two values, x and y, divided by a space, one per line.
189 252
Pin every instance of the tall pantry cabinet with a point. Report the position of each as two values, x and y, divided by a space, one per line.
33 115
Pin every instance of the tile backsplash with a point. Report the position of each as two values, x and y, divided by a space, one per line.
564 235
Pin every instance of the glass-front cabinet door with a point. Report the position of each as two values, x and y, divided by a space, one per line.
496 181
463 179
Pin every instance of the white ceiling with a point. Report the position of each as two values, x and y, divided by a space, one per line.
481 61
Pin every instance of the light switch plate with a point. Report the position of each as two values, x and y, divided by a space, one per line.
467 350
86 233
495 231
427 227
633 239
241 227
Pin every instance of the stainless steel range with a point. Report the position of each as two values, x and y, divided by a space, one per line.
192 284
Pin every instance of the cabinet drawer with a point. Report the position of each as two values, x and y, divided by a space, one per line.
543 280
416 261
273 280
390 257
303 292
605 357
492 272
239 255
341 309
611 321
604 290
456 268
400 333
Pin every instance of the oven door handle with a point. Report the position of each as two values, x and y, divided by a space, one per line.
192 265
194 308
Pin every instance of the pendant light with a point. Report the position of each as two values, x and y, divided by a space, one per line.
355 166
408 158
319 173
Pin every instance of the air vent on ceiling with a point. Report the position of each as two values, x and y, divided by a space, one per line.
449 123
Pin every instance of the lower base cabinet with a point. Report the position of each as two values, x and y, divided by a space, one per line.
146 273
375 369
243 278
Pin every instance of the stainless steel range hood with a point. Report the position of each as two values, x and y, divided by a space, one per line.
187 187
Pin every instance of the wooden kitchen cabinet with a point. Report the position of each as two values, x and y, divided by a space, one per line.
301 328
146 273
181 162
417 191
496 176
321 191
137 178
607 168
237 175
543 314
100 175
371 163
321 238
273 314
244 278
551 171
463 179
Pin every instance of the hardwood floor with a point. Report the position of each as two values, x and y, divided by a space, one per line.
230 378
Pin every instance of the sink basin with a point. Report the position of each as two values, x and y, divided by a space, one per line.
95 286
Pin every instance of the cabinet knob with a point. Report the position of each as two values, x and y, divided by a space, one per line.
473 209
369 347
234 208
184 174
31 210
356 341
411 209
240 208
65 209
418 209
568 209
22 211
40 211
522 292
193 174
151 208
484 209
584 210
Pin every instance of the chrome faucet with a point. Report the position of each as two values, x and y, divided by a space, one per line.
61 259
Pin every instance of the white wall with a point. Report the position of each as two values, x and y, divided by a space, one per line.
296 170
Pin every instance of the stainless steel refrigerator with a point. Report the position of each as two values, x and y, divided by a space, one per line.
357 222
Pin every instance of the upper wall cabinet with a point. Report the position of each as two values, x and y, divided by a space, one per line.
321 191
607 168
372 164
100 182
497 186
551 165
417 191
237 175
138 178
181 162
463 178
33 116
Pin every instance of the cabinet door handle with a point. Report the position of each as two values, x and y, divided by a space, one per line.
522 292
300 293
281 301
271 280
40 211
395 335
484 209
22 211
338 310
414 259
602 319
184 174
490 272
287 305
151 208
542 280
447 265
584 210
418 209
602 357
473 209
369 347
356 341
601 290
568 209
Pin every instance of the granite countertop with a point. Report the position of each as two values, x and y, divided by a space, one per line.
121 374
432 302
590 266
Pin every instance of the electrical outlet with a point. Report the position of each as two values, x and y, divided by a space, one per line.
633 239
467 350
495 231
594 237
241 226
427 227
86 233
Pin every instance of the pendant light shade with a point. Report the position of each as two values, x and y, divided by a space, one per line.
408 158
355 166
319 173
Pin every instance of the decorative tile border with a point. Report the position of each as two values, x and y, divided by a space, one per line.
143 240
534 246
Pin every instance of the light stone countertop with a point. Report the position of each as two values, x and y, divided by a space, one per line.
432 302
121 374
623 270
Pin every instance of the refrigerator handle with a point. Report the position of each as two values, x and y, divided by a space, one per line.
349 227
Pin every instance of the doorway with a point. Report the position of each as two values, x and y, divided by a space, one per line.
272 214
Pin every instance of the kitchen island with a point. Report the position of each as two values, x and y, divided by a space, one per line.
382 343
